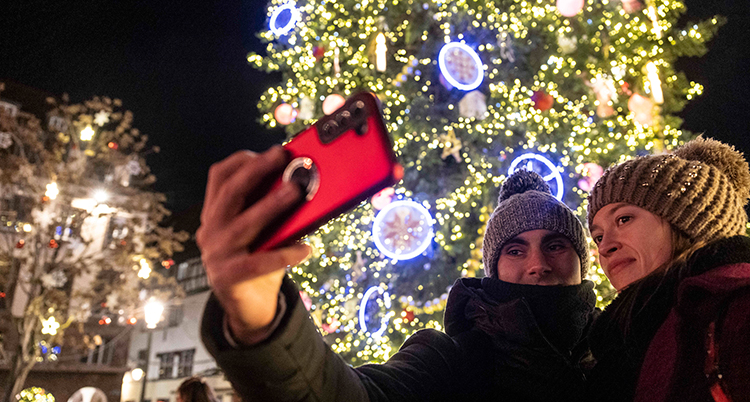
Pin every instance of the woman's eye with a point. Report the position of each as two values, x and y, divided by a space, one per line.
597 239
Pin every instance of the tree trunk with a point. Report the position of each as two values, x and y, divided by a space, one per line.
23 360
17 374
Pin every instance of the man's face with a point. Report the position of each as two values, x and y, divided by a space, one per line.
539 257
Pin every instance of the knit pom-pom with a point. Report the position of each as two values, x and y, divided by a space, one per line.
723 157
520 182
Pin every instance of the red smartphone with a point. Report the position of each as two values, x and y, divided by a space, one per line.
339 161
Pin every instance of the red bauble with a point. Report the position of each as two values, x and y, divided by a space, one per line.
626 88
542 100
319 52
53 244
407 315
20 244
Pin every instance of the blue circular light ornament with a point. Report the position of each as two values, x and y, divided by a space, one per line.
363 309
461 66
402 230
294 17
544 167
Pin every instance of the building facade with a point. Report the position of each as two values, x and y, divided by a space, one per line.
173 351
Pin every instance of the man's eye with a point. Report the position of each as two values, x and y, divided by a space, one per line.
513 252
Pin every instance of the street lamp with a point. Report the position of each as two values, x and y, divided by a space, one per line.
136 374
152 311
101 196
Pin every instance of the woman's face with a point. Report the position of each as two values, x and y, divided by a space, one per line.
632 242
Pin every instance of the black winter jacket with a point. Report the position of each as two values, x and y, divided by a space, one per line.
504 342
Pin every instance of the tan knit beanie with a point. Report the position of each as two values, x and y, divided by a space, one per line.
701 188
526 203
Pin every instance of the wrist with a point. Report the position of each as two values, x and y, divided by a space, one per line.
237 332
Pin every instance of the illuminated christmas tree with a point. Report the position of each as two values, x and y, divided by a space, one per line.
471 90
79 232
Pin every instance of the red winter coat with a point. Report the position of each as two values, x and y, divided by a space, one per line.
702 350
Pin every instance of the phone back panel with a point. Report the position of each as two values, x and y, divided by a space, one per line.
351 168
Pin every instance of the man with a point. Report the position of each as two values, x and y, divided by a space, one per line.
510 336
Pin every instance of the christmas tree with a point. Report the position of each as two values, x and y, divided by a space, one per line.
471 91
79 231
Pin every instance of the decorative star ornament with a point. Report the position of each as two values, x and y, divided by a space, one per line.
101 118
451 145
50 326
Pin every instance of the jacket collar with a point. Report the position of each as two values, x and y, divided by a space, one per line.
712 274
523 314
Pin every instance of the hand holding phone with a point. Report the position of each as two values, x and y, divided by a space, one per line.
332 166
339 161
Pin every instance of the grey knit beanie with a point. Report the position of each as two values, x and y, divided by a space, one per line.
700 189
526 203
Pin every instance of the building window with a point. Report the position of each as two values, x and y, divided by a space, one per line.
176 364
175 316
116 232
191 276
8 108
166 365
185 367
70 228
143 358
15 210
57 123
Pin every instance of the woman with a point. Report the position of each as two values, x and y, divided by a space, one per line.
670 232
194 389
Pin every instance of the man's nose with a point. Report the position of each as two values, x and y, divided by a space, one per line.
537 264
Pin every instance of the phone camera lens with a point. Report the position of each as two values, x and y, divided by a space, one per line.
357 109
362 128
329 131
344 119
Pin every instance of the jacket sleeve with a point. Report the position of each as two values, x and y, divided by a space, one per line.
295 364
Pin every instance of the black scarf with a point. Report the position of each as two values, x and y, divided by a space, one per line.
561 312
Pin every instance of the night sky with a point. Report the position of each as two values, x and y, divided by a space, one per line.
180 67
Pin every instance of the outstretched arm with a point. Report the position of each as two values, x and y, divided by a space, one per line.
246 284
289 361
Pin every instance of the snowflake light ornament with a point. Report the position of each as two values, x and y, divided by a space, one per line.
101 118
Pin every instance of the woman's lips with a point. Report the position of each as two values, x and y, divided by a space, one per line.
617 265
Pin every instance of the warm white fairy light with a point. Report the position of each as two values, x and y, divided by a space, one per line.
654 82
52 191
380 52
87 134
